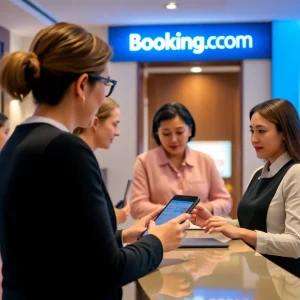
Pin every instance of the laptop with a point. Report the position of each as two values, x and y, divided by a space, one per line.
202 243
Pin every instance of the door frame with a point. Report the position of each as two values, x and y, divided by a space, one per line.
142 92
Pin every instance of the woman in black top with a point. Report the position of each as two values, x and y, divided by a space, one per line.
269 211
101 135
58 234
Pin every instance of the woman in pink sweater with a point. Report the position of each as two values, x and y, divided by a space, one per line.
174 169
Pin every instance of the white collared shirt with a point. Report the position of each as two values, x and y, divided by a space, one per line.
270 170
283 218
38 119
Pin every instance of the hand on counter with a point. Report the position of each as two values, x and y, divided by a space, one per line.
216 224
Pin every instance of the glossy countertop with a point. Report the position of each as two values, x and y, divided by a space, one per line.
233 273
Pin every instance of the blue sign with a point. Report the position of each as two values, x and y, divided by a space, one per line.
191 42
286 61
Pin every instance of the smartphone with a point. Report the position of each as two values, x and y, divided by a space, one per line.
178 205
126 197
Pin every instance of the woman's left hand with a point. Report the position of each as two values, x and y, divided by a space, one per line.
216 224
199 215
131 234
122 213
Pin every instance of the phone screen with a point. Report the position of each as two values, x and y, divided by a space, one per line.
174 209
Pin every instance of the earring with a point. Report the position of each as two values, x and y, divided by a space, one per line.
83 98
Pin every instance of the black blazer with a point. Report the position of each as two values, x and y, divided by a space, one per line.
58 232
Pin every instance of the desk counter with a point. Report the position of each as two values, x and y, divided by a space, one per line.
234 273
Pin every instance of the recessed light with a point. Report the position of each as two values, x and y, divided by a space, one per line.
171 5
196 69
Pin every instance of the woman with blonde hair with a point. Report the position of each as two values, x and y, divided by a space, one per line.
101 135
58 234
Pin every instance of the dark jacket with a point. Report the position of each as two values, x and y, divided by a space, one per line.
58 232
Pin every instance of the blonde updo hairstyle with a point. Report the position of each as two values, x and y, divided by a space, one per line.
104 112
58 56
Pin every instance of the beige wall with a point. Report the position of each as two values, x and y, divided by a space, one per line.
256 89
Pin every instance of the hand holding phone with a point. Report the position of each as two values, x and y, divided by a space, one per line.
170 233
122 214
120 204
133 233
170 224
178 205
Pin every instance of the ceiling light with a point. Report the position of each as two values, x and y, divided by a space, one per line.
171 5
196 69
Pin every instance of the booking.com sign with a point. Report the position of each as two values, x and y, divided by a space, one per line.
191 42
196 44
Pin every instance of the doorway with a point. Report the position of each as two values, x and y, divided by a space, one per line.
213 95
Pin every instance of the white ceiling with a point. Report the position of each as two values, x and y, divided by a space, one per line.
17 20
125 12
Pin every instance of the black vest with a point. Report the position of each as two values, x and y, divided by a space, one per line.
253 209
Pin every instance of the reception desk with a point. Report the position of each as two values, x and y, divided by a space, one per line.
234 273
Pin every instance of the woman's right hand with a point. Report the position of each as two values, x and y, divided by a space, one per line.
172 232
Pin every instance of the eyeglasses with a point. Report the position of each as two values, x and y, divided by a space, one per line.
107 82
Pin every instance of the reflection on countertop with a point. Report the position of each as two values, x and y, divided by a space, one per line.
235 273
